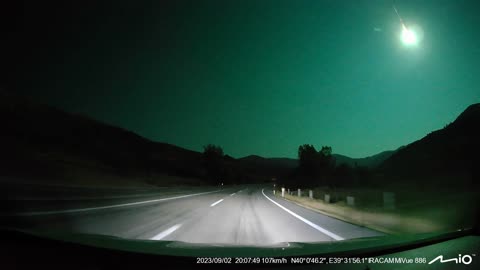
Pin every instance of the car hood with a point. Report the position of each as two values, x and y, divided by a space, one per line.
359 247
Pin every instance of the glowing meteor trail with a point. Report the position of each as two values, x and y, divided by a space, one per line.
400 18
408 36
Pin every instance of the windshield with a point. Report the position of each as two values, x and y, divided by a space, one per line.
241 123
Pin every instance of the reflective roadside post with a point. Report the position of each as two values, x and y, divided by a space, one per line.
389 200
350 201
283 192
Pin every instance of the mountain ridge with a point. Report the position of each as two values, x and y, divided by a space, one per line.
442 156
38 135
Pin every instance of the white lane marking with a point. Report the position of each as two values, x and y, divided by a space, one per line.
108 206
315 226
215 203
165 233
233 194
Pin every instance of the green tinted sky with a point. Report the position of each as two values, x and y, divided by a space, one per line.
256 77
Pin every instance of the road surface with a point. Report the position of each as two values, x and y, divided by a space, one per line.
233 216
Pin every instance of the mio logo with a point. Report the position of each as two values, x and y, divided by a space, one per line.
465 259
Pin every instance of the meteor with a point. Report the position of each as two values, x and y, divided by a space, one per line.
408 36
396 11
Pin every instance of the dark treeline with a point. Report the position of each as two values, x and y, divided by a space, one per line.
315 168
319 168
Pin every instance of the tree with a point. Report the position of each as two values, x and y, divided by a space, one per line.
307 155
326 164
211 151
214 163
326 151
315 165
325 159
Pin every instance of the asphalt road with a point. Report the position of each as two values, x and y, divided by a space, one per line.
236 216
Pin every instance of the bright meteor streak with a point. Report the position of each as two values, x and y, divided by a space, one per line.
408 36
400 18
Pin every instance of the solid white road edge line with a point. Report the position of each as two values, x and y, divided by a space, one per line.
165 233
215 203
233 194
106 207
315 226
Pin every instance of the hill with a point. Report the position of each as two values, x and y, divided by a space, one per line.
270 162
291 163
449 156
369 162
42 142
267 168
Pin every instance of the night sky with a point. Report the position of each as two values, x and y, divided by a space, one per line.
256 77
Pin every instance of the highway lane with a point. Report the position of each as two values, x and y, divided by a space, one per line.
242 216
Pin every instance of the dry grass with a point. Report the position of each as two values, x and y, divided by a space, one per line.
431 218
